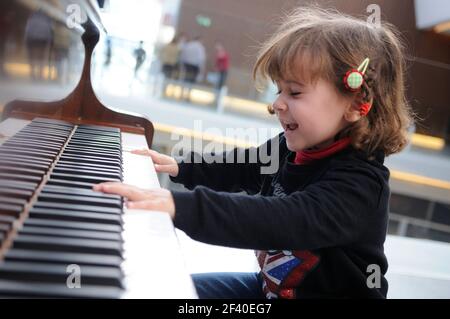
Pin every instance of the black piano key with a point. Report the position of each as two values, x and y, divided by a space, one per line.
83 200
62 258
83 178
75 216
38 146
63 244
36 129
47 141
15 193
93 157
95 144
83 160
12 200
107 129
66 183
97 153
10 210
20 177
46 272
23 164
6 220
94 173
24 289
45 132
77 191
104 168
47 126
4 229
96 134
94 141
72 225
33 153
92 149
21 170
26 159
53 127
79 207
70 233
81 130
88 148
38 137
18 185
44 136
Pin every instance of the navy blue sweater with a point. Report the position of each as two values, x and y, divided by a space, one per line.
319 228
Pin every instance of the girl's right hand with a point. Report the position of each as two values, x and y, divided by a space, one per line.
163 163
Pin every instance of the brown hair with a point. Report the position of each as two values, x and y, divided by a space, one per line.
329 43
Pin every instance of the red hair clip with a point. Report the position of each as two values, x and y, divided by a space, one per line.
365 108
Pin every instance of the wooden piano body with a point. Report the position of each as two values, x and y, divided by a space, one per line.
150 261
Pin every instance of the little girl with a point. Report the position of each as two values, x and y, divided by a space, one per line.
319 223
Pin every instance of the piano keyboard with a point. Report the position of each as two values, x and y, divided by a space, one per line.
50 218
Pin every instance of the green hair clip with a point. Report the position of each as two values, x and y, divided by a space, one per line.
354 78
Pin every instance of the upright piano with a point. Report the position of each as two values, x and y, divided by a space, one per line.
58 238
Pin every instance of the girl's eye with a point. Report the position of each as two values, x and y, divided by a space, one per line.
292 94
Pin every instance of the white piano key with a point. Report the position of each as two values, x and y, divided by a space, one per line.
154 266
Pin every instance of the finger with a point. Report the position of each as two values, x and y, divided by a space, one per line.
159 158
143 204
127 191
143 151
164 168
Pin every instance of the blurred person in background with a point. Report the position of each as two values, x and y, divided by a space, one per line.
193 58
38 38
222 59
140 55
108 52
169 57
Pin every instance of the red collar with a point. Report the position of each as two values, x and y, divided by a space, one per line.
306 157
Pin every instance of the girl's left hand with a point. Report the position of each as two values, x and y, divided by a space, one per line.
155 199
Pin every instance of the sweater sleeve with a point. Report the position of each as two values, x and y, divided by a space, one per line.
334 211
233 171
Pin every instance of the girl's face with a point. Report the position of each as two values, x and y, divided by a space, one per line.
311 114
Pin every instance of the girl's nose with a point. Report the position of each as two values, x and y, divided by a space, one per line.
279 105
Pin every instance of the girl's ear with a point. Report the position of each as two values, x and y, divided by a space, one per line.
352 113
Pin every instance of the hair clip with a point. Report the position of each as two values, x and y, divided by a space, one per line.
354 78
365 108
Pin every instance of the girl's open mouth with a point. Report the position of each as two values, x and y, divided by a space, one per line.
292 127
289 126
